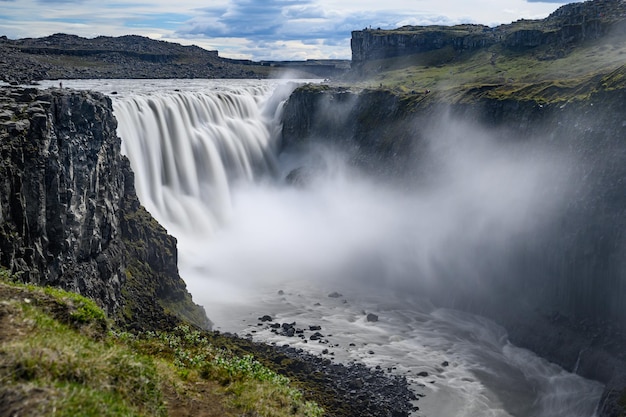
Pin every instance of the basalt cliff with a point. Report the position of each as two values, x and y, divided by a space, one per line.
564 293
69 215
556 83
569 25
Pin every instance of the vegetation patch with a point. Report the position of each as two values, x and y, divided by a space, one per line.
546 73
61 356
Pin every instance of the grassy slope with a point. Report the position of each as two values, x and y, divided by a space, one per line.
60 357
541 74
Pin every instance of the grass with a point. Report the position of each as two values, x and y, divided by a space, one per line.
541 73
60 356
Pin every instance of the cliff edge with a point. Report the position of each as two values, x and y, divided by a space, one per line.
569 25
69 215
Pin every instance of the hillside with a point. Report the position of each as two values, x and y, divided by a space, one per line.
564 56
62 56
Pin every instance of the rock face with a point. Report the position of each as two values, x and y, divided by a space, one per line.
572 23
69 216
369 44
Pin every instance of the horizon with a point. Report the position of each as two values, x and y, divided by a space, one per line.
250 29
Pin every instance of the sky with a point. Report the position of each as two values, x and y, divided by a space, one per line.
254 29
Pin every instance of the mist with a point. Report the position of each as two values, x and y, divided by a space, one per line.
449 235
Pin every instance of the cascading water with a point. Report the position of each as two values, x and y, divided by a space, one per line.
188 149
206 164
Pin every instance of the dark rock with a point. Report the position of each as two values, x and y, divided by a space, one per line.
69 215
335 295
288 329
372 317
316 336
265 318
315 328
299 177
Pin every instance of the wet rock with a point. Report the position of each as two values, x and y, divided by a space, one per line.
288 329
265 318
334 295
356 389
371 317
316 336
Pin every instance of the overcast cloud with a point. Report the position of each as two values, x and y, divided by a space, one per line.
255 29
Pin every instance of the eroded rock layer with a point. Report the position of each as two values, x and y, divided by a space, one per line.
69 215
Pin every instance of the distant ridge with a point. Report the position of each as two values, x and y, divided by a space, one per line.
568 25
64 56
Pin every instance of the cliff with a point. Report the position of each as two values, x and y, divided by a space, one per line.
69 215
569 25
563 297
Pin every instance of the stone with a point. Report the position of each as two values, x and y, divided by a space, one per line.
371 317
316 336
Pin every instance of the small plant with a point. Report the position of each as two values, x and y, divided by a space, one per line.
252 387
94 371
85 310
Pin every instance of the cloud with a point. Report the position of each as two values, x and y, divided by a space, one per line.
59 1
253 29
294 22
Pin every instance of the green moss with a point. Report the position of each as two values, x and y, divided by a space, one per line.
543 74
153 294
83 309
83 375
74 308
118 373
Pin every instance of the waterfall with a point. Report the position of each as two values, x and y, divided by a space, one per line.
188 149
205 159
